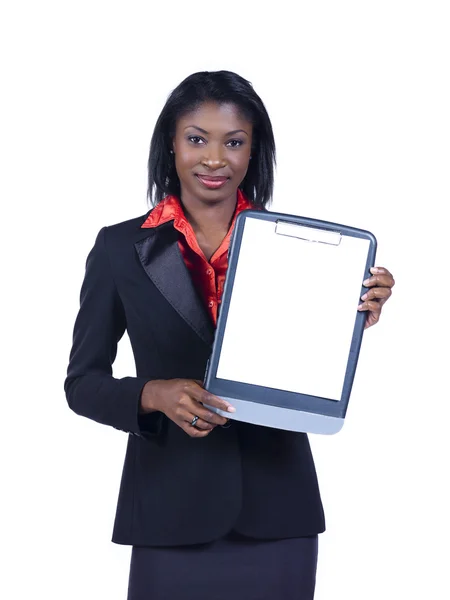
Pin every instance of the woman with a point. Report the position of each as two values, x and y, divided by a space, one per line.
213 509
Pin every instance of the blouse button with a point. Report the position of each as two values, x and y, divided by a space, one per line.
211 303
208 272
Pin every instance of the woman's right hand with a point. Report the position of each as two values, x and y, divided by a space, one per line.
181 400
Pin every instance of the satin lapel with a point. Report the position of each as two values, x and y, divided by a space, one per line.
161 258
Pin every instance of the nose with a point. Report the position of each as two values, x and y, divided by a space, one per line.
213 157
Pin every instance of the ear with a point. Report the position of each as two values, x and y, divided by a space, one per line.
174 149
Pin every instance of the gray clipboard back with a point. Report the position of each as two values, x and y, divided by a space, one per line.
277 399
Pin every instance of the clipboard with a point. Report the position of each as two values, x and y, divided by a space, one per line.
289 333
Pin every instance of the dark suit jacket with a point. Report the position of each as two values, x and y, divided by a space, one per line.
176 489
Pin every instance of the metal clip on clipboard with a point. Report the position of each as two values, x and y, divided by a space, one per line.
309 234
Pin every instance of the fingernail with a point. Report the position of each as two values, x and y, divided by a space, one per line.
375 270
360 307
231 409
366 282
364 297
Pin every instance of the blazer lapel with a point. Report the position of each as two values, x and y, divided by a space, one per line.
162 261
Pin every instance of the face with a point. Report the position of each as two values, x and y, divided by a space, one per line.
212 147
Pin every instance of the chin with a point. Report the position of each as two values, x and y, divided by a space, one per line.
213 196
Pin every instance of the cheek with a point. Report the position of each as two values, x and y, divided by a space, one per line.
240 164
185 159
186 156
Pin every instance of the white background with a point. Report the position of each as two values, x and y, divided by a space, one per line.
358 93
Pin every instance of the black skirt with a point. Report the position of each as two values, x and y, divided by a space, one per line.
232 568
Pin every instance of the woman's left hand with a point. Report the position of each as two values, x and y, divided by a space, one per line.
380 284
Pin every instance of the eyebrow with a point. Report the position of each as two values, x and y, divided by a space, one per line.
207 132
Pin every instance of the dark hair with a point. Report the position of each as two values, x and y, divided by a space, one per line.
221 87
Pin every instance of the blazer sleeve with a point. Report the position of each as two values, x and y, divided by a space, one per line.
90 388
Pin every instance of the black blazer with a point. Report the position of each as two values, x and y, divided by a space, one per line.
176 489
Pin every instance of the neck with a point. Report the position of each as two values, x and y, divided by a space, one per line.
206 217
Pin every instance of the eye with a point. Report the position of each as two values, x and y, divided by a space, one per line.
195 139
234 143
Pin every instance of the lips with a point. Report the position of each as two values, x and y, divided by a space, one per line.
212 182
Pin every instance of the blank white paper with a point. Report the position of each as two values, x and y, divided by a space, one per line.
292 311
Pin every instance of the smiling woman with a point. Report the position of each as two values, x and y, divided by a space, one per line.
213 510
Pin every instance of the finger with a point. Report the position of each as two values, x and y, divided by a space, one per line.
186 415
209 416
204 397
191 407
201 424
380 281
380 271
370 305
188 408
381 301
194 432
380 293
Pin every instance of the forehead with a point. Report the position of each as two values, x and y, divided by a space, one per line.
212 116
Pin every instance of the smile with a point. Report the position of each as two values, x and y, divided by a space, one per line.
212 183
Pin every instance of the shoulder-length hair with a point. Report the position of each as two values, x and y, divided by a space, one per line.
221 87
